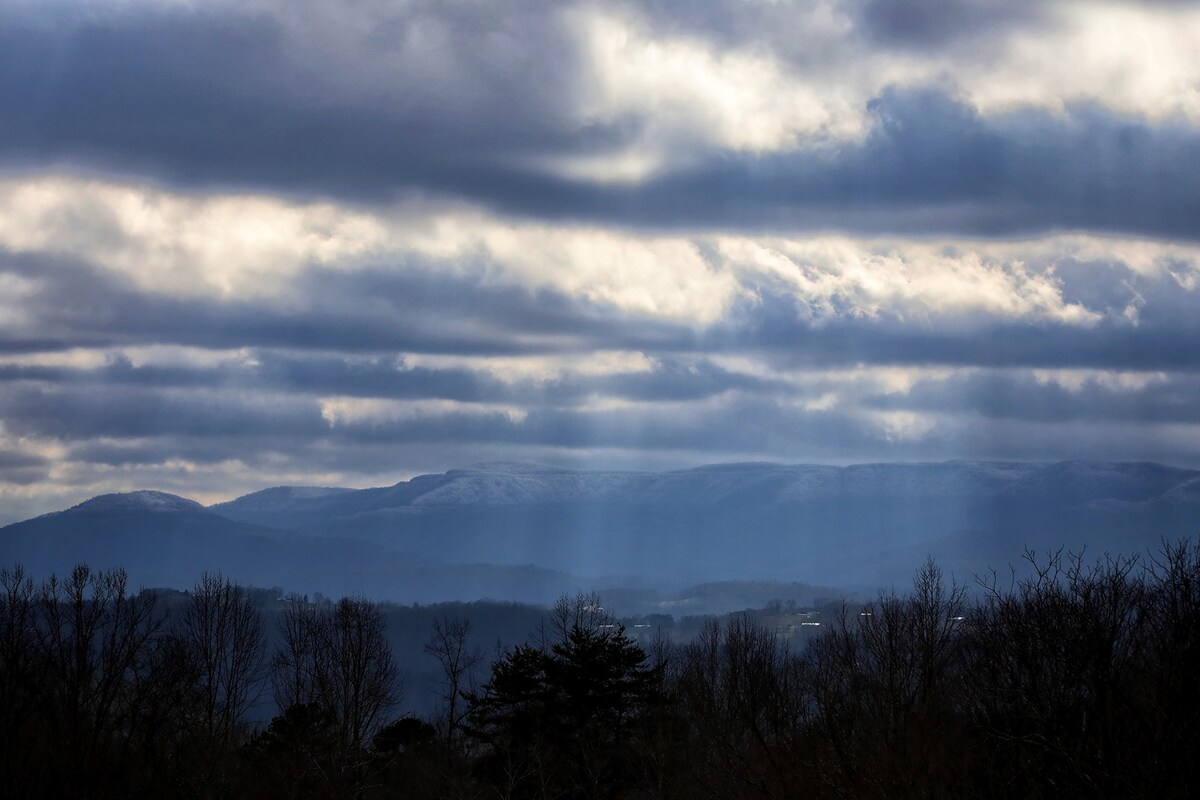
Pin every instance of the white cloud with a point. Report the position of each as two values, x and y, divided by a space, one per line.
744 99
248 246
913 281
541 368
342 411
240 245
903 426
1141 59
1075 380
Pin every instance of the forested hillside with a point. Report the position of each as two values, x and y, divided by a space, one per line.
1078 680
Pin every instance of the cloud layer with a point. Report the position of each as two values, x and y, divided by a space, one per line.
255 243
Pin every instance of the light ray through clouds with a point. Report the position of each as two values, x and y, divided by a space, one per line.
247 244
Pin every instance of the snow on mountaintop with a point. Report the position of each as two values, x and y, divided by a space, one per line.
512 467
141 500
508 483
279 493
952 486
306 492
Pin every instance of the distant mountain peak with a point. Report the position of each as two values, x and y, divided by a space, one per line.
514 467
856 527
141 500
291 493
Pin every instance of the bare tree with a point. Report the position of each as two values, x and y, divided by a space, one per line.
1050 661
449 645
583 610
339 660
20 679
224 634
17 615
95 638
360 680
294 666
886 682
741 691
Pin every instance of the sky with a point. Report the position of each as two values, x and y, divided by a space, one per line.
343 242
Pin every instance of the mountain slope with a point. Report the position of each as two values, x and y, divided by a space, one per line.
165 540
511 531
862 524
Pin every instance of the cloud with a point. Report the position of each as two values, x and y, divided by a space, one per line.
373 309
267 242
19 468
730 135
391 379
253 271
934 23
250 246
1139 398
836 277
1045 303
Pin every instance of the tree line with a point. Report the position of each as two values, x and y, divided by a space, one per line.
1076 678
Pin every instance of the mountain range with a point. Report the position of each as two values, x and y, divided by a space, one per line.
527 532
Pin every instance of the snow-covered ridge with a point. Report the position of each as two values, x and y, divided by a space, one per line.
506 484
762 486
141 500
852 525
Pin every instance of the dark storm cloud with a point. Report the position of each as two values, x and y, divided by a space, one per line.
204 100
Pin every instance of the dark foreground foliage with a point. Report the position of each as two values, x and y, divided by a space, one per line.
1079 680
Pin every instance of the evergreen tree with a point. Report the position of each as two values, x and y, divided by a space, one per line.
567 717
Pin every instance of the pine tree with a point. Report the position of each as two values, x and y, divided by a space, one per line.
568 717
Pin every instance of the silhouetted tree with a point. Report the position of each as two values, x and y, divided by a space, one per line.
223 634
22 679
743 698
1076 680
295 663
95 638
337 662
457 658
298 756
564 720
1168 693
1050 663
